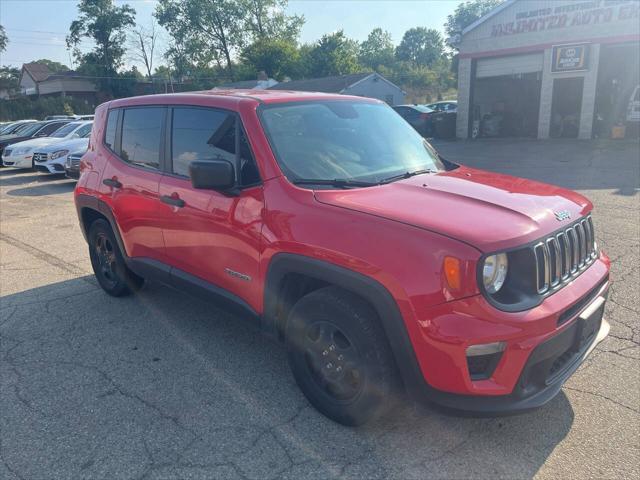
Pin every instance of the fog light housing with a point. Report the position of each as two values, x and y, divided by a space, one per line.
482 359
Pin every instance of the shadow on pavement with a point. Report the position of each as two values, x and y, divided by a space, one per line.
160 383
50 186
11 176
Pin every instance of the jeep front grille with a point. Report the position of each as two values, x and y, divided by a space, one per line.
564 255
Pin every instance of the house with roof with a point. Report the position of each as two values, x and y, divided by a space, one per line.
369 84
37 79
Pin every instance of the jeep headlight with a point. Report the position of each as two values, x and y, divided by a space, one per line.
494 272
58 154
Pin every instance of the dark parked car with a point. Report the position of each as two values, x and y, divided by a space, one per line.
418 116
72 164
444 106
31 130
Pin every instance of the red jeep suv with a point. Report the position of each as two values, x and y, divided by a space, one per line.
383 267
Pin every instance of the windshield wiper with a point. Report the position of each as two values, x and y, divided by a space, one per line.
404 175
336 182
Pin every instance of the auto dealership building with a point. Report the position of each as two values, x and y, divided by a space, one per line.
549 68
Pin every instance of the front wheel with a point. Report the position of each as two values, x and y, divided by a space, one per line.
340 357
108 263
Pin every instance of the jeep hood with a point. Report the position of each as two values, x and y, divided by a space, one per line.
488 210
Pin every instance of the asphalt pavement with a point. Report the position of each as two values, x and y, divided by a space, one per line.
160 385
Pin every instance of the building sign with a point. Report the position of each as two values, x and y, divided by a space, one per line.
570 58
571 14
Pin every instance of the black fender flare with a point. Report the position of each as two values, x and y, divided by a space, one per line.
84 202
365 287
145 267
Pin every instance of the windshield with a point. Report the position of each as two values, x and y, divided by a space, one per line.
28 129
345 140
65 130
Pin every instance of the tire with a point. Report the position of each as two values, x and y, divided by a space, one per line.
108 263
340 356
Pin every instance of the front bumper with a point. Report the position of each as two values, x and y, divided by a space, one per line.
548 367
72 172
52 166
18 161
544 347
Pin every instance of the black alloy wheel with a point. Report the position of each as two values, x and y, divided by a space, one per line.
333 361
340 357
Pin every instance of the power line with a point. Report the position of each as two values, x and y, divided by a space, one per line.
41 44
36 31
22 38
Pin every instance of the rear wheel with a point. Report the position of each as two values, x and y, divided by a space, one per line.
108 264
340 356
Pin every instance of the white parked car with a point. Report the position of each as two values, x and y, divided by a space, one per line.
20 155
52 158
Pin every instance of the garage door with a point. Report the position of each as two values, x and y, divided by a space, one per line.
495 67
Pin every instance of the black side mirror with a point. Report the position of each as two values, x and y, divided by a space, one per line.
212 175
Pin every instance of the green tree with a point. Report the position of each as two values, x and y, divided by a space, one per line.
377 50
464 15
206 30
333 54
180 65
265 19
277 57
55 67
9 78
420 46
105 24
3 39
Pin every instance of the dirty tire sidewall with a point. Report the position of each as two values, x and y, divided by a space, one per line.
358 321
126 282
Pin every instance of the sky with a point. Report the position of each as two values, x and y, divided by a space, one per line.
37 28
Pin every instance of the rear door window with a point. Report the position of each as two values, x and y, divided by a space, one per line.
141 136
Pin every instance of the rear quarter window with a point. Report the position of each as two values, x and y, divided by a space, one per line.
110 130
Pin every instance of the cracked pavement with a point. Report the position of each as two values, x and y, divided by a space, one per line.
162 386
